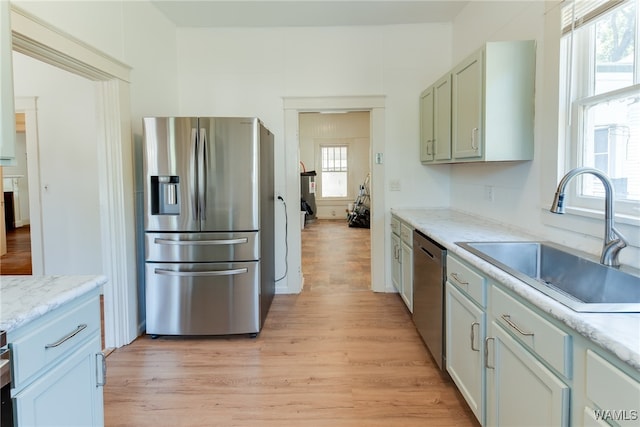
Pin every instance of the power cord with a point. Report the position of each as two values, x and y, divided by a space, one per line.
286 240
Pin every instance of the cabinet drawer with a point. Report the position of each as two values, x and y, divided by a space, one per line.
536 333
613 391
467 280
395 225
406 234
53 337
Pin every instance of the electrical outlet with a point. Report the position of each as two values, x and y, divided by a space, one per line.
488 193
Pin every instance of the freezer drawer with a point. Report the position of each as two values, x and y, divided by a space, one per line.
203 298
202 247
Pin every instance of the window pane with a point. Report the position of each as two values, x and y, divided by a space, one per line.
614 49
334 184
612 144
334 158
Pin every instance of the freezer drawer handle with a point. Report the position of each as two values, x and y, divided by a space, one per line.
202 242
166 272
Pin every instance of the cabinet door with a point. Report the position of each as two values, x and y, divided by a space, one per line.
467 94
521 391
68 395
442 119
396 265
464 326
426 125
407 275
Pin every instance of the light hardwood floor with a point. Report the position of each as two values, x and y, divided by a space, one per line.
335 355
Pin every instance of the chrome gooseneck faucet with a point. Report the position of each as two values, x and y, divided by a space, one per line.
613 240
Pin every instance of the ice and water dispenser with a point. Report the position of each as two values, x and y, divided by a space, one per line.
165 195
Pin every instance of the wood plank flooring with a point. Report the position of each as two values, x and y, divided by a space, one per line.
337 354
17 260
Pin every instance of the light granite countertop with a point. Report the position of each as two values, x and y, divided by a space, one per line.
617 332
25 298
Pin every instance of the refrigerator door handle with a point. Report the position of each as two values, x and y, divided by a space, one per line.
193 178
165 272
202 242
202 173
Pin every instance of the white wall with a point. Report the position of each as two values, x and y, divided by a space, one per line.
133 32
247 72
523 191
68 164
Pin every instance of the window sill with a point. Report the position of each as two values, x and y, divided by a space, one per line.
591 222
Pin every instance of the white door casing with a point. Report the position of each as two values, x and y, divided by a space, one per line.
375 104
46 43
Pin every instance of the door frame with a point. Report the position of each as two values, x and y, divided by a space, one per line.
293 106
42 41
29 106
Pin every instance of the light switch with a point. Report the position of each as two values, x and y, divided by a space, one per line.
394 185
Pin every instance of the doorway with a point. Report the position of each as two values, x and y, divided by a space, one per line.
335 146
109 78
65 187
375 105
16 260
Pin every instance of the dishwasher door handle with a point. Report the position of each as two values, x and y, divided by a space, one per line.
429 254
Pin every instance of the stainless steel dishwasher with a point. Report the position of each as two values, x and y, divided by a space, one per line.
429 276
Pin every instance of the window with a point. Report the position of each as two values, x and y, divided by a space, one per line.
602 94
334 171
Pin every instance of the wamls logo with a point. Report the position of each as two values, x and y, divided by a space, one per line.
616 415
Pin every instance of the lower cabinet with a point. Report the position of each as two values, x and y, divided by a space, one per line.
402 259
396 263
527 368
465 322
521 391
611 395
407 274
67 395
59 369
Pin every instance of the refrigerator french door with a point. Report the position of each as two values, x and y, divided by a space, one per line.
209 199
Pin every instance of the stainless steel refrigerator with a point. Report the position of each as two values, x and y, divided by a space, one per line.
209 225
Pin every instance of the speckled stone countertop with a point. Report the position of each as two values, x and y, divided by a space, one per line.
617 332
25 298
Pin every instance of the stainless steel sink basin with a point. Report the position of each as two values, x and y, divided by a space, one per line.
570 278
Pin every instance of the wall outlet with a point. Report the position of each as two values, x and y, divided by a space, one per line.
489 193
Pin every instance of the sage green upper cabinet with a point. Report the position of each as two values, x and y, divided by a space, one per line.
7 113
426 125
492 103
435 130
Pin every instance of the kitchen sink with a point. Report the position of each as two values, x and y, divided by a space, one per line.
568 277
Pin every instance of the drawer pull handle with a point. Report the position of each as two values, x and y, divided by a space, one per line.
457 279
507 318
473 336
486 352
101 382
67 337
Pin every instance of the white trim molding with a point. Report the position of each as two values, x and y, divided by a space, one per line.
46 43
375 104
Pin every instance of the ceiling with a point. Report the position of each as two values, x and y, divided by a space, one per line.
305 13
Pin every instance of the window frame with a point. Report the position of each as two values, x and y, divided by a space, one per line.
576 85
321 148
